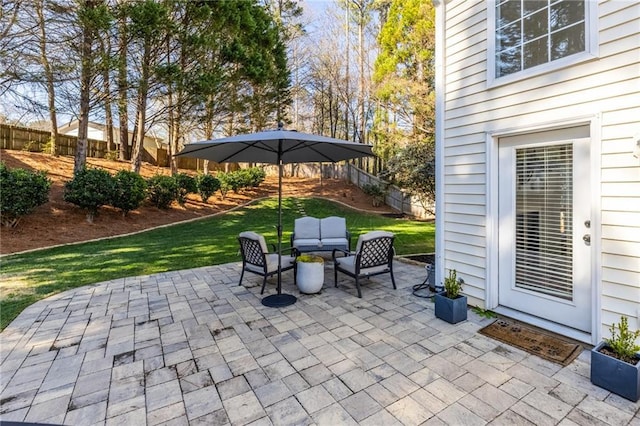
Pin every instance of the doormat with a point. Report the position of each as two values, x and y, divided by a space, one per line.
533 340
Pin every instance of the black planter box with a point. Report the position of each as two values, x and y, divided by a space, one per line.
451 310
615 375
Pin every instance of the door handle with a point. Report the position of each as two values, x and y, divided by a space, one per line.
587 239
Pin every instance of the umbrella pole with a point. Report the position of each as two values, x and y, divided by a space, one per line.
279 227
279 300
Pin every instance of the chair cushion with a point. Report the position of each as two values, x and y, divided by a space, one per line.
333 227
255 236
348 264
272 263
370 236
306 227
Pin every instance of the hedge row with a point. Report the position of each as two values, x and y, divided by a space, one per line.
90 189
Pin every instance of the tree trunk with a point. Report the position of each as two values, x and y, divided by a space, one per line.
176 111
232 117
80 159
51 91
177 135
171 130
208 132
363 136
106 88
173 162
346 83
141 114
123 85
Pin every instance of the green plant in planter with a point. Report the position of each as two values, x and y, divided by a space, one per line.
310 258
309 273
615 362
453 284
623 341
450 305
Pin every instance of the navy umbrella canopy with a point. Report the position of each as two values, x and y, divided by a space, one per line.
276 147
273 146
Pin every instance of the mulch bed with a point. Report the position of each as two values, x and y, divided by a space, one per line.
422 258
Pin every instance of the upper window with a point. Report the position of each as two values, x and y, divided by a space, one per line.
534 32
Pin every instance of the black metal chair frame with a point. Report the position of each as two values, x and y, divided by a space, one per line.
374 252
252 254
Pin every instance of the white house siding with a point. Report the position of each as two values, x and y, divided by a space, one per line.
606 88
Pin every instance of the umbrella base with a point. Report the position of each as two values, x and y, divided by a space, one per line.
279 300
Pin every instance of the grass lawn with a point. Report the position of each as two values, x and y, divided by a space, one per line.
27 278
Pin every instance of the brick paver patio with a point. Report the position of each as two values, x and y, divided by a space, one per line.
193 347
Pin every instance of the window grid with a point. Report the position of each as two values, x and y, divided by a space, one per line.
559 39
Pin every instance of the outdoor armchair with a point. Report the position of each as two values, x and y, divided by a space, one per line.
257 259
373 256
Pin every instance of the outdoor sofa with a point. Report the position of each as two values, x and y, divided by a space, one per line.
311 234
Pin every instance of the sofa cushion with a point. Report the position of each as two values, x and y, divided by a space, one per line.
307 244
306 227
333 227
335 243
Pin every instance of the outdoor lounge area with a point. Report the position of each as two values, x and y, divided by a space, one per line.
193 347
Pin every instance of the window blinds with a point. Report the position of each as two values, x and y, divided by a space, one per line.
544 221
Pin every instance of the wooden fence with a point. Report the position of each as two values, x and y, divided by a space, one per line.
395 198
34 140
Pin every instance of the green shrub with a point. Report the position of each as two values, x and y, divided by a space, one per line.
162 191
376 192
241 179
90 189
130 191
32 146
246 178
111 155
186 185
207 186
47 147
235 180
256 176
225 183
21 192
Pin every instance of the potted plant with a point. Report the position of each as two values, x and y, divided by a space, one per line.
615 362
376 192
310 273
451 306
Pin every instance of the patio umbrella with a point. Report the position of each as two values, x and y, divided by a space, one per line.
276 147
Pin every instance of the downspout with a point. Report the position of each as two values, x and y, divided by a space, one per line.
440 106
